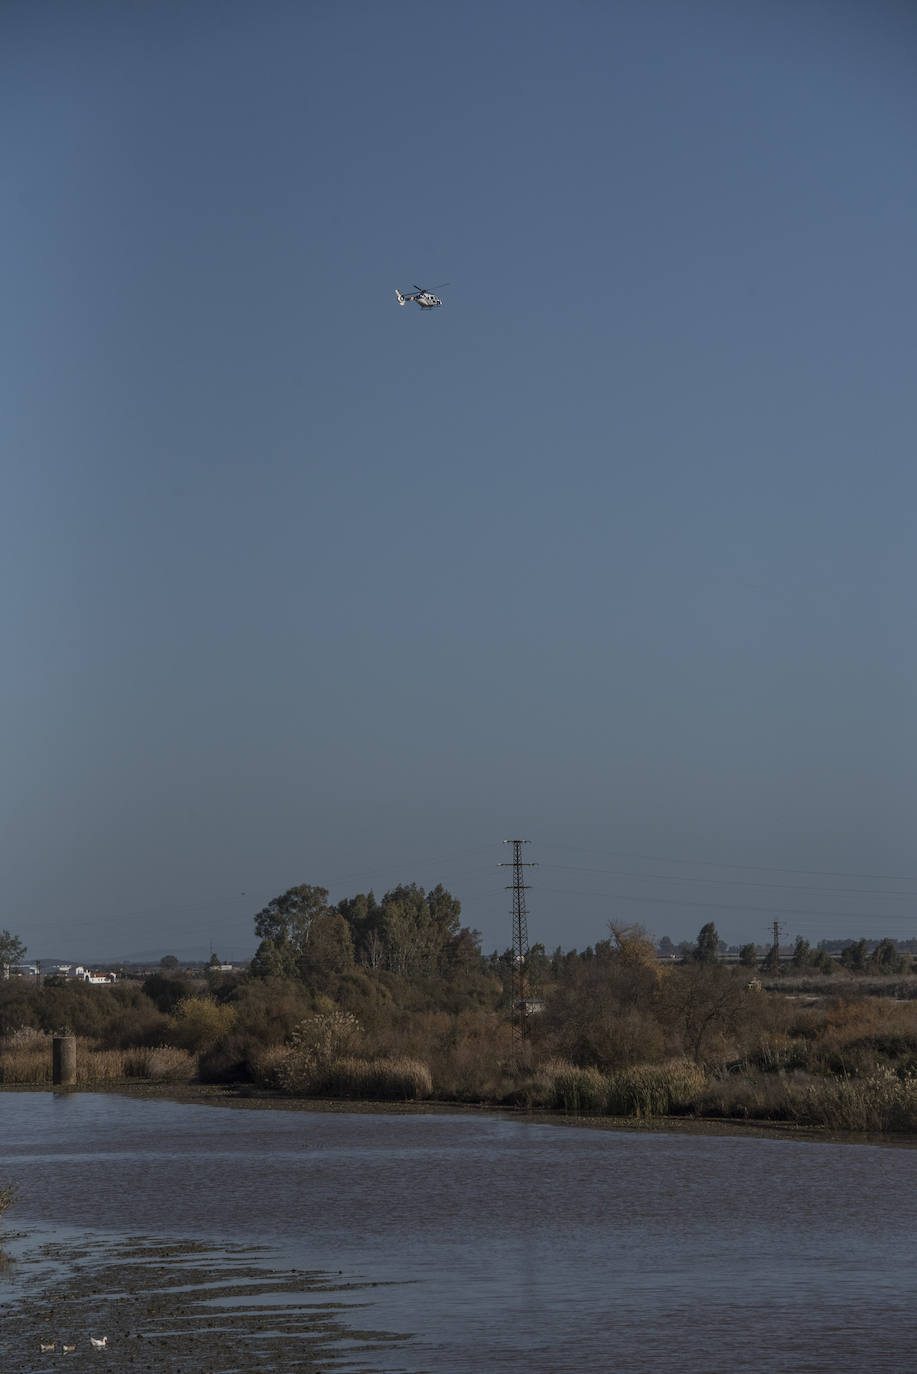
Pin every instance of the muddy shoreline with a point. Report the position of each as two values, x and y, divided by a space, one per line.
177 1305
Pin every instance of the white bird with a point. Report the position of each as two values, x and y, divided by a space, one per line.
98 1343
47 1346
68 1349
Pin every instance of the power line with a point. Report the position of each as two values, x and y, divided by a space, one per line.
750 868
733 882
733 906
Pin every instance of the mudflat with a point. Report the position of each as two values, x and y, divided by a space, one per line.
185 1306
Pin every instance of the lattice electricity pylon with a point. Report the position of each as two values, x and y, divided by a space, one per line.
518 987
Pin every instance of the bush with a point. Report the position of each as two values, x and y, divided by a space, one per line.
199 1023
266 1065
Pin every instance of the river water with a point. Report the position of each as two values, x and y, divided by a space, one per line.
501 1243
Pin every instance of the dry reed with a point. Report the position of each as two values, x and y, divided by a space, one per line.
655 1089
402 1080
161 1063
30 1065
578 1091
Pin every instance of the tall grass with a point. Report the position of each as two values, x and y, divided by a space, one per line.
577 1091
159 1063
878 1102
655 1089
26 1066
643 1090
29 1065
388 1080
882 1102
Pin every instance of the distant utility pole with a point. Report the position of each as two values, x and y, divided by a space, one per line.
520 943
775 947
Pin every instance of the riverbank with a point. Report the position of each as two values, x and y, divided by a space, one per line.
246 1098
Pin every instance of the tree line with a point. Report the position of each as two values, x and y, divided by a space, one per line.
393 996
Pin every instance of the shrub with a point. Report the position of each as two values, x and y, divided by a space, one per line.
327 1035
199 1023
266 1064
316 1043
268 1010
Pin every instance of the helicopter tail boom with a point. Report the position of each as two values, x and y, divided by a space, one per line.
402 300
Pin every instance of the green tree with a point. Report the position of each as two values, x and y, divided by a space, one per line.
12 951
274 960
413 940
445 912
288 919
284 928
707 947
168 961
886 959
363 915
855 956
748 956
329 952
411 932
802 954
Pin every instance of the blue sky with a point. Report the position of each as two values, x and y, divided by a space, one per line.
615 552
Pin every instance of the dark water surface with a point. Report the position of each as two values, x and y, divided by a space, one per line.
505 1244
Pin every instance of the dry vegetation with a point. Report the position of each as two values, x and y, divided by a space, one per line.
619 1034
26 1061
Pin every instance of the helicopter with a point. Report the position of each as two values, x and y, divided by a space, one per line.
422 297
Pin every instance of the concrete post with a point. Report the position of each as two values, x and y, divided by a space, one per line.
63 1061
